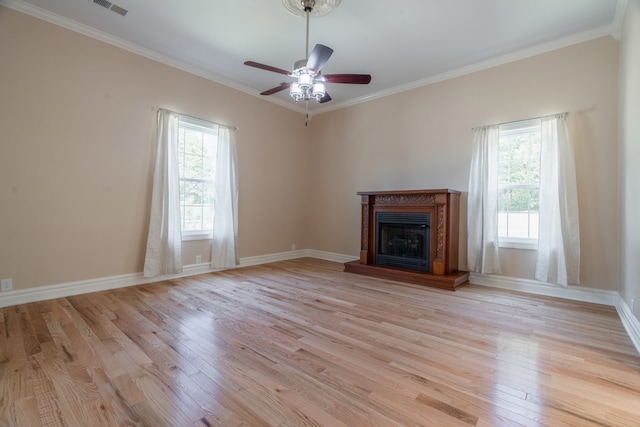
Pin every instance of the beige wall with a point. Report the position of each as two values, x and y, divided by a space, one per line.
76 149
76 124
630 154
422 139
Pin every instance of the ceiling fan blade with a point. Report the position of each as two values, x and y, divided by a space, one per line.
277 89
354 79
325 98
266 67
318 57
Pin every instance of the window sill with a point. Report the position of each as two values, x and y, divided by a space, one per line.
196 236
528 244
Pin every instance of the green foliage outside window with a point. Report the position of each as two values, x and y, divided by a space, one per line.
519 172
197 158
519 182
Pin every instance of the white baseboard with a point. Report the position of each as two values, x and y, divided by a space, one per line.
100 284
62 290
42 293
629 321
576 293
330 256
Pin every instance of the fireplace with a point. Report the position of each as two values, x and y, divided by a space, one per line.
411 236
402 240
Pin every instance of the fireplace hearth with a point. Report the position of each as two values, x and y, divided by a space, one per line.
411 236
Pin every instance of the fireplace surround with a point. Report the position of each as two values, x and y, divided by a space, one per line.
411 236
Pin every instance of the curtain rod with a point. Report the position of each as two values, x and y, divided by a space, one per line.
522 120
196 118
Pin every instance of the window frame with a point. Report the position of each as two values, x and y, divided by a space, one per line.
511 129
195 124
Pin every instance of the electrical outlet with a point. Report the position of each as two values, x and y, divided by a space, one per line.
632 303
293 246
198 259
6 284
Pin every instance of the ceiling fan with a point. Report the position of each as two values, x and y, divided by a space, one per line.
309 81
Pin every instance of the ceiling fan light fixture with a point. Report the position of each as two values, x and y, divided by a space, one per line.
306 89
305 81
296 92
309 83
318 91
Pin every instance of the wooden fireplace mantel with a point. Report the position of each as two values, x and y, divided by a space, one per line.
444 208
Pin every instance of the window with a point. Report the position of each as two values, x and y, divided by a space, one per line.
197 140
519 184
523 193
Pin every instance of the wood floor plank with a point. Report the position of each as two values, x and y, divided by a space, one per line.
14 369
301 343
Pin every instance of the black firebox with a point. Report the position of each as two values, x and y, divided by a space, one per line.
403 240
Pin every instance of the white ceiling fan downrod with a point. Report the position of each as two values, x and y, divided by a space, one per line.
307 6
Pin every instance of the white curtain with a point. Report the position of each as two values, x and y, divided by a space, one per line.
164 242
482 218
224 246
559 237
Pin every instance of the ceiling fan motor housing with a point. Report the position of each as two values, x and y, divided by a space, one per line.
299 66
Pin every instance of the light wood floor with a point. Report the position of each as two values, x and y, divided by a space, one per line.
300 343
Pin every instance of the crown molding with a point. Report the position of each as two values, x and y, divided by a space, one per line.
85 30
618 19
608 30
614 30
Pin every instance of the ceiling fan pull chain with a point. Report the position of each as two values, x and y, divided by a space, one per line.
306 115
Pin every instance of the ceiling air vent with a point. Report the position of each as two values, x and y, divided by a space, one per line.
119 10
112 7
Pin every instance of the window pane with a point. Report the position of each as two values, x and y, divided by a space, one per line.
518 181
207 217
209 148
534 162
503 200
504 163
209 144
192 142
191 193
519 160
534 221
192 220
192 166
207 194
519 200
208 168
197 155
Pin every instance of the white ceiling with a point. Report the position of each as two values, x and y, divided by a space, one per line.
401 43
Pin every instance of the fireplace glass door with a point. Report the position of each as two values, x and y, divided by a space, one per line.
403 240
